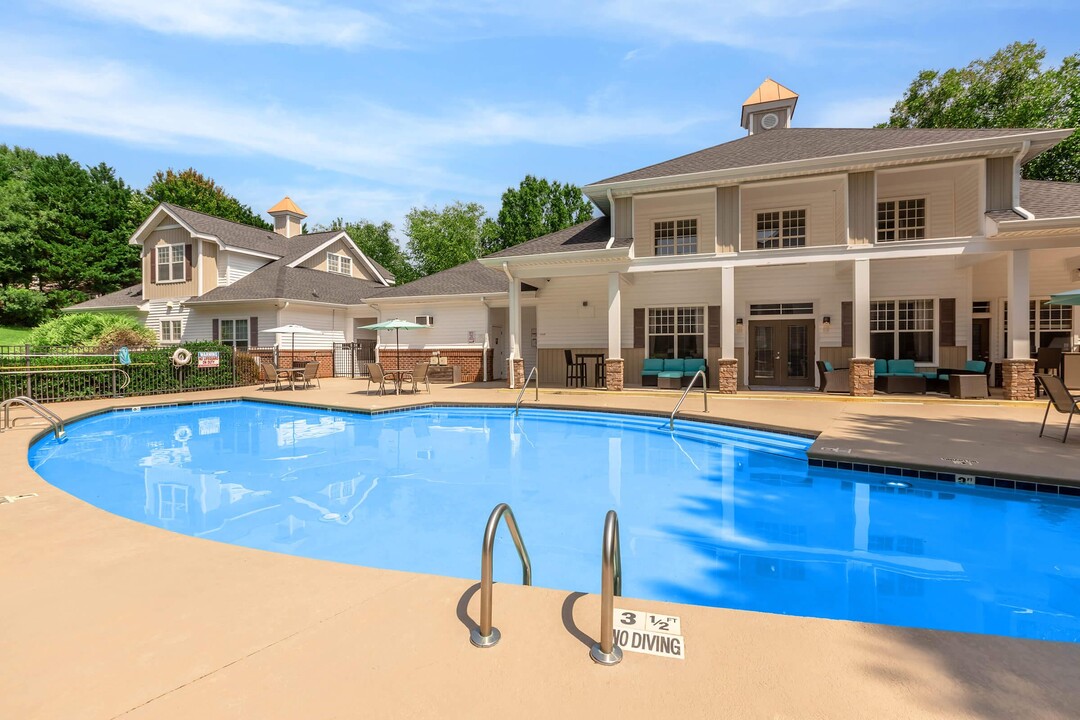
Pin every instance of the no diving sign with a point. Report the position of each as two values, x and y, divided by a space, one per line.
649 633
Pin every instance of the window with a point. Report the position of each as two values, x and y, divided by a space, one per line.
901 220
677 332
902 330
781 229
235 333
170 263
170 331
800 308
339 264
675 237
1051 325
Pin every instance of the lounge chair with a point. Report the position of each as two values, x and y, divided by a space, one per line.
417 376
311 372
832 379
271 374
375 375
1060 399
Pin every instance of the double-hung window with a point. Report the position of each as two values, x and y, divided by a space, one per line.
675 237
781 229
170 331
339 264
1050 325
677 332
170 263
902 330
235 333
901 220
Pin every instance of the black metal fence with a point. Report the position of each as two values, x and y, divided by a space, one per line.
351 359
70 373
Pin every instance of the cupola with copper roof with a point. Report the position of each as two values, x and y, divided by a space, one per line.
769 107
288 217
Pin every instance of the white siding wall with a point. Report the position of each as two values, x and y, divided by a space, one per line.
329 321
926 278
700 287
564 322
159 310
200 327
951 193
453 322
223 268
241 265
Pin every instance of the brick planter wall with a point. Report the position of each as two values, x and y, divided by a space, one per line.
727 376
470 361
862 377
286 359
1018 379
613 371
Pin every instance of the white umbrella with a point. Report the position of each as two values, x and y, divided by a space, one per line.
397 326
292 329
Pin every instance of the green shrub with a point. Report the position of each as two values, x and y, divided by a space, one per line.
86 329
23 307
247 368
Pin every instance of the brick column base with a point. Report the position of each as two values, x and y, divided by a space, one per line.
727 376
613 371
861 377
518 378
1018 379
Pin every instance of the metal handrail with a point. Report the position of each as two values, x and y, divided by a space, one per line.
606 652
486 636
39 409
704 395
536 385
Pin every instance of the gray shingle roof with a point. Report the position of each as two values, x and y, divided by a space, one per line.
790 144
589 235
279 281
128 297
465 279
1047 199
234 233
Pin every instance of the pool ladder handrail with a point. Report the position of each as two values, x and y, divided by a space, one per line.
37 408
486 635
704 395
536 385
606 651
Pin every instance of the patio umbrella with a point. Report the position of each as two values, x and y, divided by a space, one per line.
292 329
397 326
1069 297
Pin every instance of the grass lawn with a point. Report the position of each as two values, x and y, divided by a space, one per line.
13 335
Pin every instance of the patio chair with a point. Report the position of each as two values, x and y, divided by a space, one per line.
375 375
1048 361
311 372
576 371
418 375
832 379
1060 399
271 374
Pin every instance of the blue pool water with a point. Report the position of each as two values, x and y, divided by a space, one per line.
710 515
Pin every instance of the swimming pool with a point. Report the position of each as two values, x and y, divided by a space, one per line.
710 515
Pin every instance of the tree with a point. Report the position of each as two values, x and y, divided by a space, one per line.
441 239
536 207
193 190
1011 89
377 242
16 216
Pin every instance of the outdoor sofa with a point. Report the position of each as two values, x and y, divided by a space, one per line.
944 382
832 379
671 372
900 376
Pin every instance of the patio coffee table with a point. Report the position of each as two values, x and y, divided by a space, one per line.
901 384
669 383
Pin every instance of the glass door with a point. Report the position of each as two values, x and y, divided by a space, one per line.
782 353
766 355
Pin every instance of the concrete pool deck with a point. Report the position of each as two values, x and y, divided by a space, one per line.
104 617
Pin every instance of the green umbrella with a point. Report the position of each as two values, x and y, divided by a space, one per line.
397 326
1070 297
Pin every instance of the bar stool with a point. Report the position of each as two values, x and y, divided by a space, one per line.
576 372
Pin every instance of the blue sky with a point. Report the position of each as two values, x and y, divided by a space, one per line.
363 110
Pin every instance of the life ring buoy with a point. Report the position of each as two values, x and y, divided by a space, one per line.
181 357
182 434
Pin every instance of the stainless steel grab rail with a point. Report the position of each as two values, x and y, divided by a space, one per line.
486 636
606 652
536 385
704 395
39 409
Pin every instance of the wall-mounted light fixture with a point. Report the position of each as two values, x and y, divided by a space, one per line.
738 323
584 303
826 322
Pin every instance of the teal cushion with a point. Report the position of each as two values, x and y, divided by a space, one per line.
929 375
881 366
975 366
901 366
654 364
692 365
828 366
650 372
942 377
673 364
670 374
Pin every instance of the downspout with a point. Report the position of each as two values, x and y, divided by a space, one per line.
1017 164
611 209
510 369
484 351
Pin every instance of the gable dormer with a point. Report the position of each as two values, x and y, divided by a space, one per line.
769 107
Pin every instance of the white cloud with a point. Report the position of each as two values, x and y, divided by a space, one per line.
264 21
854 112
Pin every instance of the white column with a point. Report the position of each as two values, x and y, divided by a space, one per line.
515 318
727 313
1018 343
614 317
860 317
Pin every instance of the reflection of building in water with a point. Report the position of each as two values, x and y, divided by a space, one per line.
289 432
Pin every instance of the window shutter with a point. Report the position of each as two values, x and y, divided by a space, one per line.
714 326
947 326
187 262
153 265
639 327
215 329
253 331
847 336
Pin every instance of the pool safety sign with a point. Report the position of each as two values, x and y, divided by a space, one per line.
209 359
650 633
